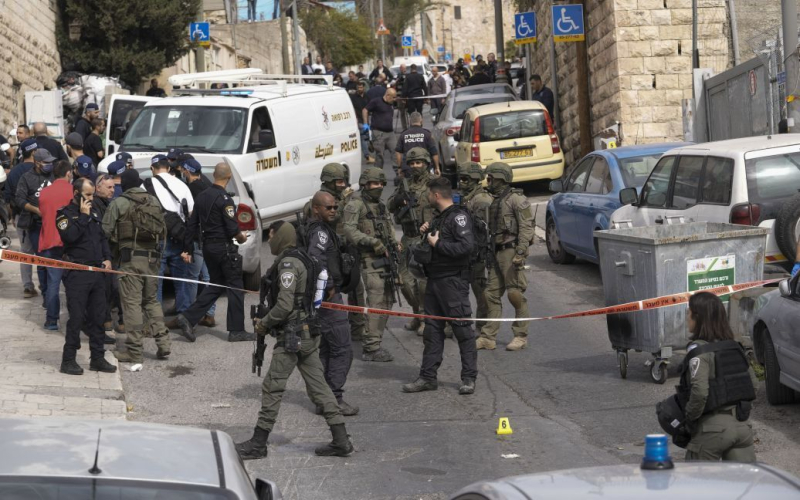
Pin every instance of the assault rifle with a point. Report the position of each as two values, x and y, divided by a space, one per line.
257 312
390 263
410 208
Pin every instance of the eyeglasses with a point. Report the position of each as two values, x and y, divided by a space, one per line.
329 207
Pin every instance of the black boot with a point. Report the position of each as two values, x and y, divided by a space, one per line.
256 447
101 365
340 446
187 331
71 367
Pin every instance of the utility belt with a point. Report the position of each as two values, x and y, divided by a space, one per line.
293 333
126 254
434 274
504 246
93 263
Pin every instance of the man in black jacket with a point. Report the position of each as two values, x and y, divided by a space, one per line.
46 142
413 89
450 241
380 69
27 201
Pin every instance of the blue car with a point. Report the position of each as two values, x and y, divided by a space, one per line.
589 194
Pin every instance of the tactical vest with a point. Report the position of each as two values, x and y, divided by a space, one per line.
423 211
502 219
731 383
480 226
369 225
303 300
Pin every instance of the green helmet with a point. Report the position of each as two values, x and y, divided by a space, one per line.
418 154
372 174
471 169
499 170
333 172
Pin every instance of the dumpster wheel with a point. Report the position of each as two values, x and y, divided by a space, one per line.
658 371
622 361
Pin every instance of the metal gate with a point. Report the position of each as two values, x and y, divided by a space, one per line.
742 102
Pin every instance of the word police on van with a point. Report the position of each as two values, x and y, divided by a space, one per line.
278 134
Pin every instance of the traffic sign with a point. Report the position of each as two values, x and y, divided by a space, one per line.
417 53
448 57
568 25
406 42
200 32
382 30
440 48
524 28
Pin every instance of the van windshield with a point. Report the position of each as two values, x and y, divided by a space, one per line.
513 125
207 129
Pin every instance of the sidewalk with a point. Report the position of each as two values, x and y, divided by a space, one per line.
30 358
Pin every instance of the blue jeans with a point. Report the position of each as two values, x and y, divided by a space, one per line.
51 299
199 271
178 269
32 235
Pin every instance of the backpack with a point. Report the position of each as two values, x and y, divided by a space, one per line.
176 227
144 222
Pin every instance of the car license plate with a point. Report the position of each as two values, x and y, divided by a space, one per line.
517 153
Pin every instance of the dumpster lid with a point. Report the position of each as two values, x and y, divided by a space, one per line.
681 233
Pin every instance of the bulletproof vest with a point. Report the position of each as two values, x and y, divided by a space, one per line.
423 211
502 219
333 254
442 265
731 383
303 300
480 224
376 225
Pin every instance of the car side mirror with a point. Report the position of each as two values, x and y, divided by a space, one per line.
785 288
628 196
249 188
118 134
457 137
556 186
267 490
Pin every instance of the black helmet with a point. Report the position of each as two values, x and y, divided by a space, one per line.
670 415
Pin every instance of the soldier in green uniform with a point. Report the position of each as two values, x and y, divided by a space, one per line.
368 226
411 211
511 226
477 200
717 385
335 181
134 223
291 296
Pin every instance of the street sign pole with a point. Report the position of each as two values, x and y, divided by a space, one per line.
528 72
383 45
498 31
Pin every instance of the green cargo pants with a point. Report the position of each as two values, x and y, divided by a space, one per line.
478 283
512 280
379 295
719 436
281 367
413 288
357 321
138 295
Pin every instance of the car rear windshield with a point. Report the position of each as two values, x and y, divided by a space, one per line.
513 125
772 178
636 169
55 488
461 107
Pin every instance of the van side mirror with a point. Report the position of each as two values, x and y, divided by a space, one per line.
556 186
267 490
785 288
457 137
118 134
628 196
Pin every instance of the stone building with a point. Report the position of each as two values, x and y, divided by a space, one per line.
29 53
639 66
467 27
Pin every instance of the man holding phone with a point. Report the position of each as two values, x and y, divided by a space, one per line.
85 243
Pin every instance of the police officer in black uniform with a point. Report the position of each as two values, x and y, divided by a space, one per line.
445 257
81 230
335 349
213 223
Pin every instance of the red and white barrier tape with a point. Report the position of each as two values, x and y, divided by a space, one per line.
640 305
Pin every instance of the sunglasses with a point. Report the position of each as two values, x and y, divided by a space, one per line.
329 207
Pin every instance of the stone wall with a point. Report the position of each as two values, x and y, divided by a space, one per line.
474 33
29 54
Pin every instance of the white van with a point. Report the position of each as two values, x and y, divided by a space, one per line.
278 135
422 63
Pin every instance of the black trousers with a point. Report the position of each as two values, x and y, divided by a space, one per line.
223 269
112 287
448 296
414 105
86 303
335 348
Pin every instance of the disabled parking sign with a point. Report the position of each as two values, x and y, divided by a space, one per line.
524 28
568 25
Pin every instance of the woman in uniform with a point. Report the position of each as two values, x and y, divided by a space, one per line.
716 386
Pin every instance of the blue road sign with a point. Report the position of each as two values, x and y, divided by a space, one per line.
568 25
199 32
417 53
524 27
782 78
448 57
407 42
440 49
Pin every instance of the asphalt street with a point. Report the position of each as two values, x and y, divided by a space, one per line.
567 405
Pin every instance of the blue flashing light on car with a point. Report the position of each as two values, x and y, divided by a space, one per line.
656 453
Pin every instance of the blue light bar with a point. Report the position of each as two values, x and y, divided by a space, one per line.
236 92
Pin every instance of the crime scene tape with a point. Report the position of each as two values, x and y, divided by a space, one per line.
629 307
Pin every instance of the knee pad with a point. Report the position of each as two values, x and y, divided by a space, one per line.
516 297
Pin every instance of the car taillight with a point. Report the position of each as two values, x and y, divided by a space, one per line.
747 214
245 218
451 131
475 152
552 133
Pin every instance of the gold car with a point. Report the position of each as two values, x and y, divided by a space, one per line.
518 133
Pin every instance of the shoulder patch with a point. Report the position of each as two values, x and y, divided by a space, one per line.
229 211
287 279
323 237
694 365
62 222
461 220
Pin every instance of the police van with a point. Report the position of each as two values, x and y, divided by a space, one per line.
277 131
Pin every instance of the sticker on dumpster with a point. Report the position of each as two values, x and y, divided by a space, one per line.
711 272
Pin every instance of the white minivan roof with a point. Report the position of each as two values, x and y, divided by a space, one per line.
242 97
741 145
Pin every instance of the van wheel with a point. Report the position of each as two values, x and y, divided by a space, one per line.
554 247
787 227
252 281
777 393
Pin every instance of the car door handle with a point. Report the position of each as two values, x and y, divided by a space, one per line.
659 220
